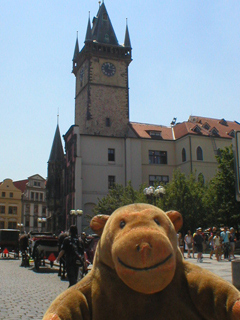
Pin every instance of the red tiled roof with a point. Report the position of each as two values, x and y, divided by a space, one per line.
143 130
222 127
195 125
21 184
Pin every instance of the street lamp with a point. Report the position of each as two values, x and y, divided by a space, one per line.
153 193
20 225
42 220
76 213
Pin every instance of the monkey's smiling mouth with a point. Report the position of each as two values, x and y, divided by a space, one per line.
146 268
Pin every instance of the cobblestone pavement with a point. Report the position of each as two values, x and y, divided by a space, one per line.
222 268
26 294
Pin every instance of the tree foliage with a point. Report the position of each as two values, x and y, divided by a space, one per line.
119 196
184 194
220 200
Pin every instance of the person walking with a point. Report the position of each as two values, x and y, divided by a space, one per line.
198 243
217 245
73 252
211 241
232 240
188 239
225 234
181 242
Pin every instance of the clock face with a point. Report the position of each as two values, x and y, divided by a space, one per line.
81 74
108 69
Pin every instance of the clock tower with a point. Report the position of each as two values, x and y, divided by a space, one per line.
101 71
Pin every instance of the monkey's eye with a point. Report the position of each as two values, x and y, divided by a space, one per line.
157 222
122 224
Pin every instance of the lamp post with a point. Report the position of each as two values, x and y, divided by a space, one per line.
153 193
41 221
76 213
20 225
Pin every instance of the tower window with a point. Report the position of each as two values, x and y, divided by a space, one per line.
105 16
106 37
111 154
108 122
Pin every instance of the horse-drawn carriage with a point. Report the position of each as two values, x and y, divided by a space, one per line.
43 246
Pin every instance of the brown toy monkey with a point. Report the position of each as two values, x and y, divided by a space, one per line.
139 274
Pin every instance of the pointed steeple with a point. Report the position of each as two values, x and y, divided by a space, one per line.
57 148
89 31
127 42
102 30
76 50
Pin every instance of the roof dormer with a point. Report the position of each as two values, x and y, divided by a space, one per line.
206 126
155 134
231 133
214 132
223 122
197 129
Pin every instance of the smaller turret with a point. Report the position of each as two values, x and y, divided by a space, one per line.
127 42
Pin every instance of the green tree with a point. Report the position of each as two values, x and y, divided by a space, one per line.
119 196
185 194
220 200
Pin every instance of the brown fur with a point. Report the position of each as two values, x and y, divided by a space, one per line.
139 274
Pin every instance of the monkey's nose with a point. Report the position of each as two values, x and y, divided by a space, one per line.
143 246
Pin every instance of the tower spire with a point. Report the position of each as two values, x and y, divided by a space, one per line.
89 30
102 31
127 42
76 50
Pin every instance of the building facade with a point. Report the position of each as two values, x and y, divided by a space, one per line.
34 205
10 205
103 147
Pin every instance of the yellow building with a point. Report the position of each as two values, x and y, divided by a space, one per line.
10 205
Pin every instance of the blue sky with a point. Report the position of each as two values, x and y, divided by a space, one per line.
186 61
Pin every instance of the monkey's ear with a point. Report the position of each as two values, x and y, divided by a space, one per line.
98 222
176 219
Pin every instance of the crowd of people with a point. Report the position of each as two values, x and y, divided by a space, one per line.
220 242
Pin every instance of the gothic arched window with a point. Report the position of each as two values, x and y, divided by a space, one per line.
199 153
183 155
